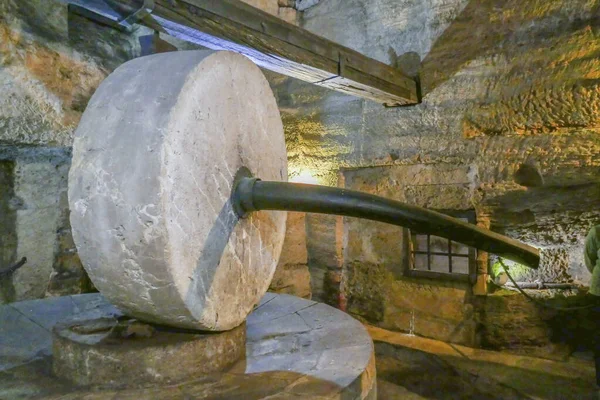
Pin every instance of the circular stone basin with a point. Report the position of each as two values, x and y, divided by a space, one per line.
295 348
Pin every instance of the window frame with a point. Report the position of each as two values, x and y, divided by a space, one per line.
409 251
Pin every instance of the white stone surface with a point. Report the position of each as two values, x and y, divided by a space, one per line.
154 159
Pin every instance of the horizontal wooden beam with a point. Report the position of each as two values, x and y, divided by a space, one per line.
277 46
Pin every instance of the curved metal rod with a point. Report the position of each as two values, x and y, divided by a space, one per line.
9 270
253 195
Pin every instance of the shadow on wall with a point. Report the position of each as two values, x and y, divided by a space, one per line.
511 323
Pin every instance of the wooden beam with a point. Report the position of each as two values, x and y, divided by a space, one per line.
278 46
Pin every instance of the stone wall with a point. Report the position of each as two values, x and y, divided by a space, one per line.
324 241
510 93
375 285
505 92
292 275
51 62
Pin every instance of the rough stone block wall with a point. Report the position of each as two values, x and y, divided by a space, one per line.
509 95
511 323
51 63
292 275
375 286
39 185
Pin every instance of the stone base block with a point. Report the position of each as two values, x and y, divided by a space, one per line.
119 353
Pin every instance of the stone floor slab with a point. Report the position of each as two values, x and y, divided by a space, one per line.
22 339
48 312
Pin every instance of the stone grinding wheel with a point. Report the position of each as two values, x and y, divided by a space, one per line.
154 160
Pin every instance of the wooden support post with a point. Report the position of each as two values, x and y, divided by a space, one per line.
277 46
480 286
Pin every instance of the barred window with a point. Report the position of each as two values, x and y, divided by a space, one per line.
435 257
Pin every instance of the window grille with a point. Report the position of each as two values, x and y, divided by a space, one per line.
435 257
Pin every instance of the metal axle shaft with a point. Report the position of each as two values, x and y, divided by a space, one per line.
252 194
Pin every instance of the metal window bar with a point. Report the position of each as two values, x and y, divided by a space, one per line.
412 251
430 253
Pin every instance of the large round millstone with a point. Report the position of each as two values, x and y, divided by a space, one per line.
108 352
154 160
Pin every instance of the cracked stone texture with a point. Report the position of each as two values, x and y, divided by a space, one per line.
149 188
36 226
295 348
38 218
8 239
